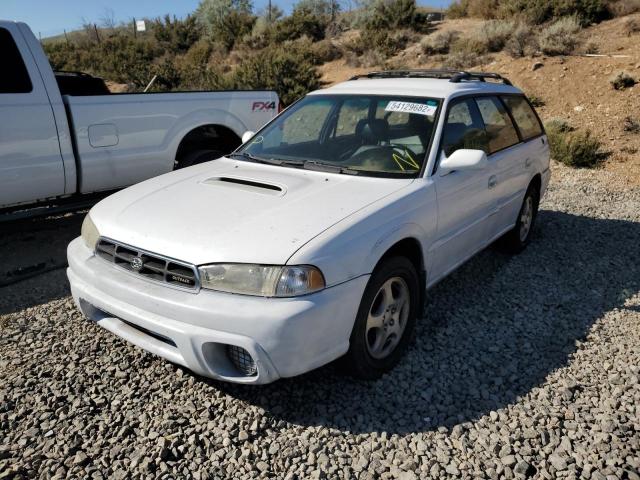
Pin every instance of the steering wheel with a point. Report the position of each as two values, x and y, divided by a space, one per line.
387 158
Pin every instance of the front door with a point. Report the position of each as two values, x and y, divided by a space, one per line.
31 165
465 198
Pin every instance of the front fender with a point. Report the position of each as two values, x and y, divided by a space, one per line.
354 246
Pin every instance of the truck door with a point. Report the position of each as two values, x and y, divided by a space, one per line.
31 165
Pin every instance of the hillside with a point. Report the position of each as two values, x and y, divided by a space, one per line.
563 62
575 88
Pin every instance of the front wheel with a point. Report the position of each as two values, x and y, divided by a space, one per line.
519 237
385 319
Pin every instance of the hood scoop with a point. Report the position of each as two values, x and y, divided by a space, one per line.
256 186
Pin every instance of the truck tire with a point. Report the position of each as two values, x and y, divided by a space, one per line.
196 157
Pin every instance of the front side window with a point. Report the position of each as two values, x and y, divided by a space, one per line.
464 128
524 116
500 130
357 134
14 77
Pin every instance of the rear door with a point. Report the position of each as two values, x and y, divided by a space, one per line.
31 165
507 158
465 198
535 150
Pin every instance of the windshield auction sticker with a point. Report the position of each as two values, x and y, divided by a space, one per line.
409 107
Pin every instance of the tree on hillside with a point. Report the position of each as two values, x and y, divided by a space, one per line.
225 21
321 8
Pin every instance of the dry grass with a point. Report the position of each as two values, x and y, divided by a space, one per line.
560 37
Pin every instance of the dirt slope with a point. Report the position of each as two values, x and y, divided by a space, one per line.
575 88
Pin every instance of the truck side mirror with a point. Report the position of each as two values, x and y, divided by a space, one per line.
248 135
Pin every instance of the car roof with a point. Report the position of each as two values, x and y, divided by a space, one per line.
416 87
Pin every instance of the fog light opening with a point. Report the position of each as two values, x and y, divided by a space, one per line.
242 360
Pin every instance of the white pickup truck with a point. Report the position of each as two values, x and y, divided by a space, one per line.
63 135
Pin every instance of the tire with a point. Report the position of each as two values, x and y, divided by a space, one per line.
517 239
196 157
368 357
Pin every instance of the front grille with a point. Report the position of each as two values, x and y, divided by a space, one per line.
148 265
242 360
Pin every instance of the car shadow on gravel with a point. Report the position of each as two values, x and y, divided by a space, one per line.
33 258
495 329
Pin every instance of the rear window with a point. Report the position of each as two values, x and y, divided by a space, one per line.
13 77
524 116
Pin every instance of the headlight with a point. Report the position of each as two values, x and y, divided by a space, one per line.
262 280
89 233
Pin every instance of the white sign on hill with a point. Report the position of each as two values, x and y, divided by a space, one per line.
140 26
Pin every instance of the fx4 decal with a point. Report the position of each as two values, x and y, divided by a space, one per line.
263 106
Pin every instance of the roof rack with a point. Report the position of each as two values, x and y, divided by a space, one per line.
454 76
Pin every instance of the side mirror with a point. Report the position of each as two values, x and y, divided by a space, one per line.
248 135
463 159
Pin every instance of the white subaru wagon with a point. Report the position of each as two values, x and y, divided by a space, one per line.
320 236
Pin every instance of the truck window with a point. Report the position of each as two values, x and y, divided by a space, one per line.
14 77
524 116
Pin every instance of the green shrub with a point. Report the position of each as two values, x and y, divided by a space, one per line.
621 8
560 37
463 57
523 41
483 8
439 43
458 9
574 148
176 35
325 51
391 15
379 41
622 80
492 35
534 11
225 21
287 69
559 125
321 8
300 23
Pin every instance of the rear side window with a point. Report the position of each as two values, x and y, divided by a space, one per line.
500 130
464 129
524 116
14 77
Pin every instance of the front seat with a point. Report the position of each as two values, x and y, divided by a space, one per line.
373 132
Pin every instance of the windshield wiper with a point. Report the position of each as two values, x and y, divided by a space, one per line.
268 161
328 167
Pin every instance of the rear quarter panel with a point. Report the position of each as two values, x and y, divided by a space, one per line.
138 134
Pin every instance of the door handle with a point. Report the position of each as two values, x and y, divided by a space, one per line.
493 181
527 163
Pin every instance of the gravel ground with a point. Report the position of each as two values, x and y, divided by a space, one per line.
526 366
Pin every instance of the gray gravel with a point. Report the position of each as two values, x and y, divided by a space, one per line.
527 366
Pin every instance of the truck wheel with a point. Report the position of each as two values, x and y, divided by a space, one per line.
517 239
385 319
196 157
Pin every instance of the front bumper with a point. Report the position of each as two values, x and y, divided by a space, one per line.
284 336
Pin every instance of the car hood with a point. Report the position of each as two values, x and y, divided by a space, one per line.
235 211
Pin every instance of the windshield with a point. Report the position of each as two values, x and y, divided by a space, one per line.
357 134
